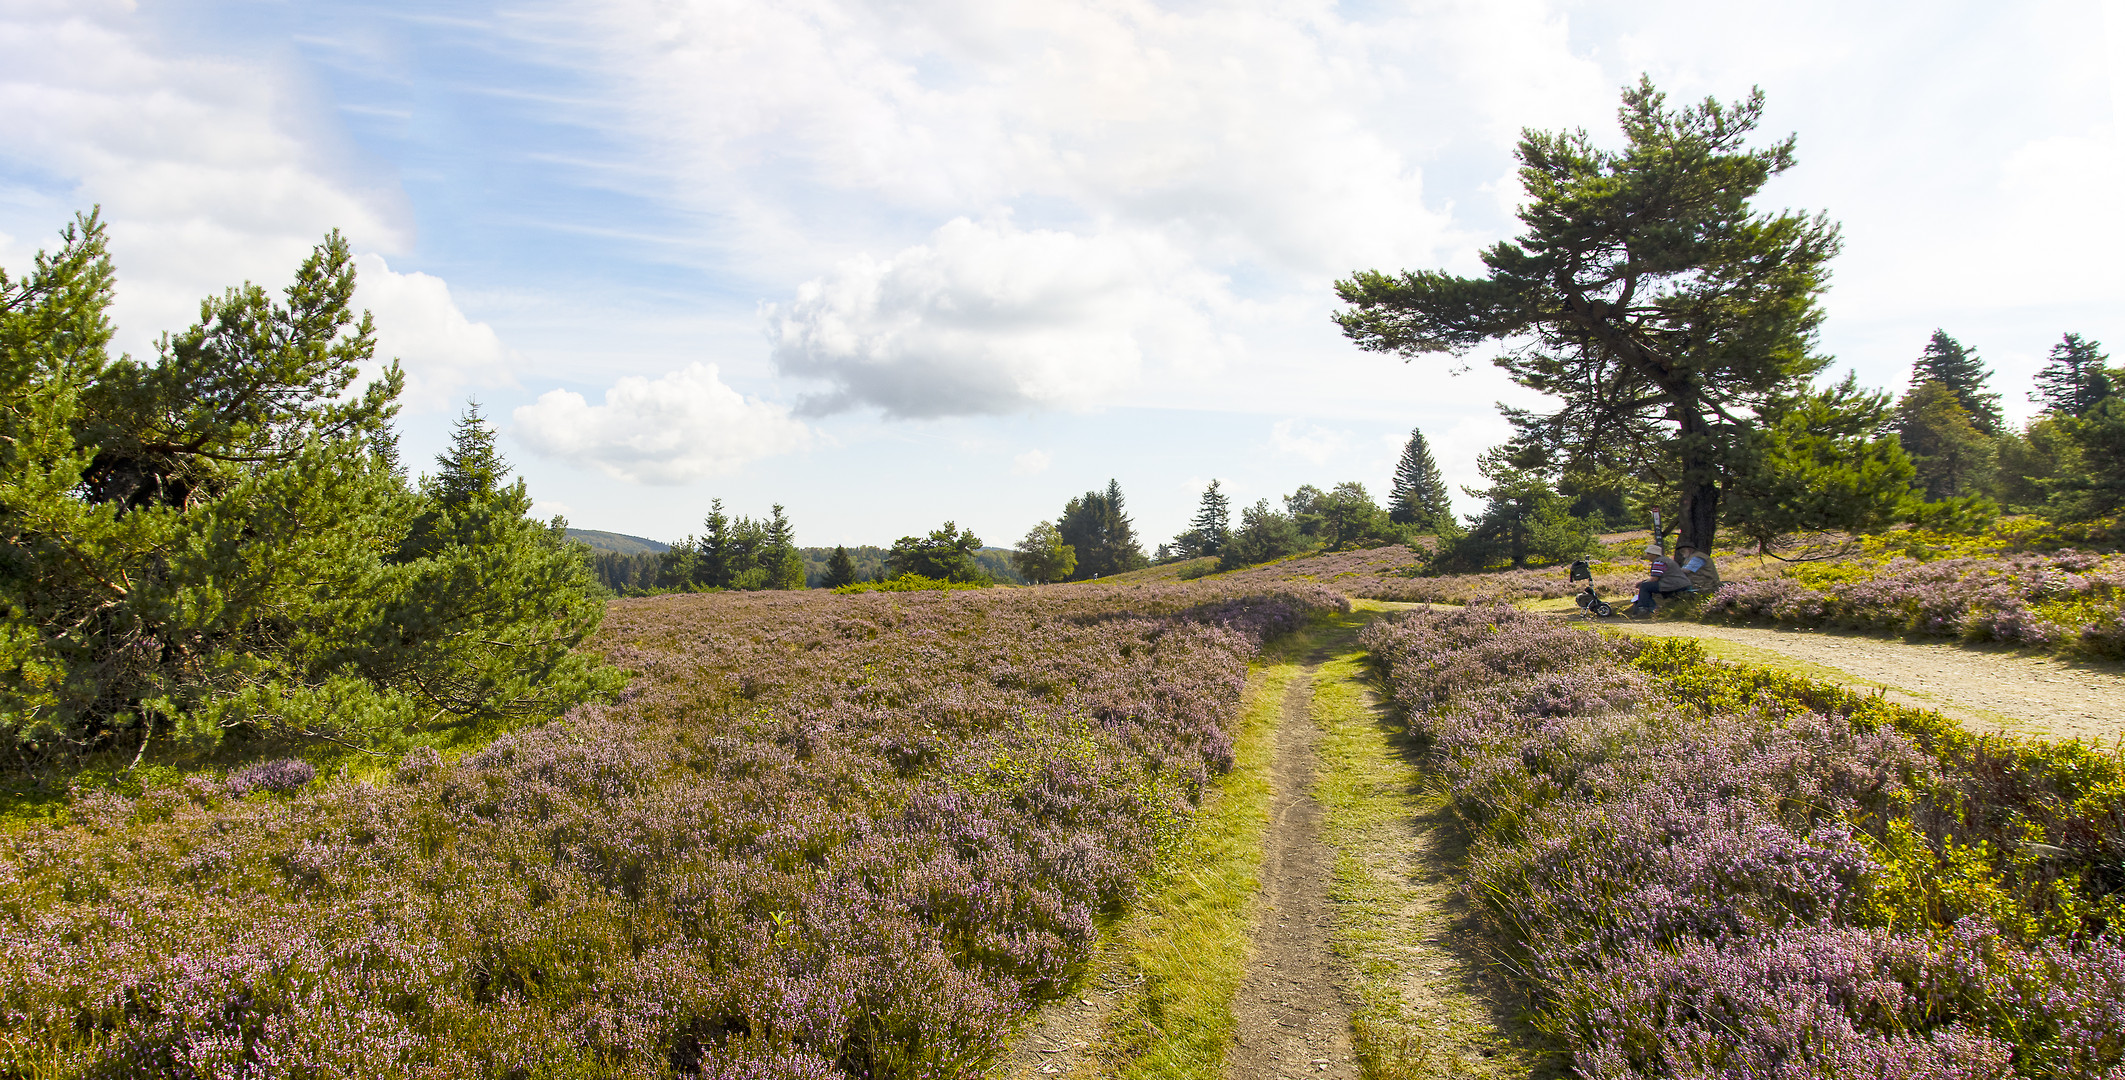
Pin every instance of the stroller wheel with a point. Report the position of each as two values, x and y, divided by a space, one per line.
1602 609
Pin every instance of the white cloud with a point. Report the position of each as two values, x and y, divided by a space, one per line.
209 170
1030 462
443 353
680 427
1308 441
989 318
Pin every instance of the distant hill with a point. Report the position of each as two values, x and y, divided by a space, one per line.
617 543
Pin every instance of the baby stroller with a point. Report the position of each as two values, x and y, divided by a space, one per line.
1587 598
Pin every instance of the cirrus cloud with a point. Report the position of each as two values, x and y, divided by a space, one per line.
680 427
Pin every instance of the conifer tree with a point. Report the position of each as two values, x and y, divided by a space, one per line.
2075 378
1418 495
1951 454
840 569
1947 362
1213 523
713 570
1098 529
214 541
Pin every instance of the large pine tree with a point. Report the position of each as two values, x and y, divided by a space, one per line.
2074 379
1948 362
1419 491
221 540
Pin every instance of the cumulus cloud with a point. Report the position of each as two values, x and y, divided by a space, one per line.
1308 441
443 353
988 318
210 171
680 427
1030 462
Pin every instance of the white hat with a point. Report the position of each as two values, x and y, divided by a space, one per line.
1653 549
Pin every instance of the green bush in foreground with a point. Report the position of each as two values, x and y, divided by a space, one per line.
221 541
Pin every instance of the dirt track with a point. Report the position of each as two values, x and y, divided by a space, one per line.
1292 1010
1987 689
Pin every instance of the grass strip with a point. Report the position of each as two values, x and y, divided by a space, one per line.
1186 946
1427 1006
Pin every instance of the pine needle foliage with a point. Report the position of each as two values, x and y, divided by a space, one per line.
221 541
1645 293
1418 495
1953 365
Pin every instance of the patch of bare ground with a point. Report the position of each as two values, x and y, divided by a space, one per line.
1293 1008
1987 689
1066 1038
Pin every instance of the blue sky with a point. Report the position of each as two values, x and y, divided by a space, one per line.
891 263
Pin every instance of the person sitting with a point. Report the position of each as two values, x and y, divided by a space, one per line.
1665 576
1698 564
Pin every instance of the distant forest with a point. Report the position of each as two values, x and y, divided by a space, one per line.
632 565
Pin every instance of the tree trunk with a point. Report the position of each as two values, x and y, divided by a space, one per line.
1698 521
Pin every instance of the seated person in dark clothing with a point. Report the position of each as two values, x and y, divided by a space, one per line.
1665 576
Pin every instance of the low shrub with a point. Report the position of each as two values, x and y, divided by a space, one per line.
1704 869
818 836
909 583
2066 600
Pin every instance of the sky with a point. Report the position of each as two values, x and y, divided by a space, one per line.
890 263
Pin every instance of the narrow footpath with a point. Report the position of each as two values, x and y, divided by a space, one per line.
1293 1008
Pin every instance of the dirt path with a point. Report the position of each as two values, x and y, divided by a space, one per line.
1988 690
1292 1010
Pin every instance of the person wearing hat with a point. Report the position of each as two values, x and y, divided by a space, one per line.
1665 576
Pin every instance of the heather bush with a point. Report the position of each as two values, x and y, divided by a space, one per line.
1704 869
2065 600
284 775
819 836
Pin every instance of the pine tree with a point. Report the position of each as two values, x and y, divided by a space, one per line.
1948 363
840 569
472 468
1419 492
213 542
712 569
1213 523
1952 456
1098 529
2075 379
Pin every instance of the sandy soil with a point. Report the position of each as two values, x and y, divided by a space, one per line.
1293 1013
1987 689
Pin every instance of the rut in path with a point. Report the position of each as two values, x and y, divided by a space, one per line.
1293 1010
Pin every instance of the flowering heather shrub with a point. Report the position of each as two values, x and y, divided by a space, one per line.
1710 870
821 836
285 775
2068 600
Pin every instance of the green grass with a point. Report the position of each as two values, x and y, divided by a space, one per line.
1427 1005
1186 945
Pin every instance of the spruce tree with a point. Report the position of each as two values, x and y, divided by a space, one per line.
1098 529
840 569
1947 362
1213 522
712 569
1418 495
2075 378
